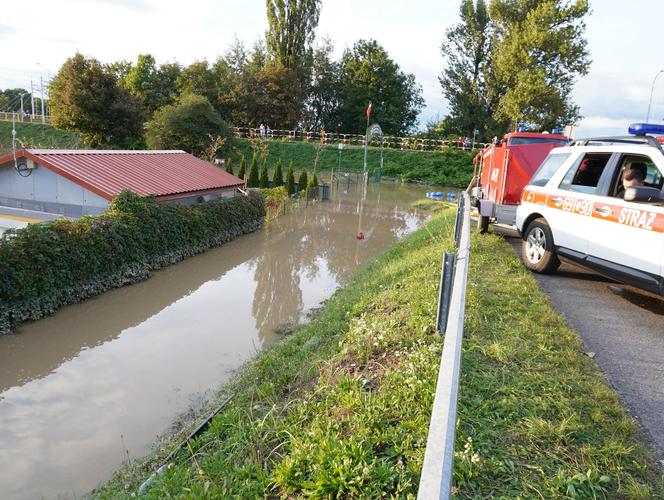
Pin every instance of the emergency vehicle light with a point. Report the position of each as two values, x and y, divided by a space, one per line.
646 128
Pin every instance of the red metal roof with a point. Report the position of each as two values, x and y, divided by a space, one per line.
108 173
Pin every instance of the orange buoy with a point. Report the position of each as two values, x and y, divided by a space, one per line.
360 235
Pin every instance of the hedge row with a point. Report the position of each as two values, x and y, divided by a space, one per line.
46 266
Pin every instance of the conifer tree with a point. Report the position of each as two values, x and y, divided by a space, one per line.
302 181
264 180
278 177
229 166
290 179
241 173
253 173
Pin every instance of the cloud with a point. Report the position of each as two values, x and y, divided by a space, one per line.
6 30
136 5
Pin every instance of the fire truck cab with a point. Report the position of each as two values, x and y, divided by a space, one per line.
502 170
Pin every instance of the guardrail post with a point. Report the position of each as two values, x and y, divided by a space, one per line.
445 290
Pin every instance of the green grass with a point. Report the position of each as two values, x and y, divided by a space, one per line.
340 407
451 167
34 135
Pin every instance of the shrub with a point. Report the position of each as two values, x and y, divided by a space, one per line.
290 179
253 181
229 166
278 177
46 266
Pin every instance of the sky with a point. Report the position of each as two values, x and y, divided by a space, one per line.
36 37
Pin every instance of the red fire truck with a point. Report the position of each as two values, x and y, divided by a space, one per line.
502 170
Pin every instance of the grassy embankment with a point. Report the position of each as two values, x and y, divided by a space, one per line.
341 406
451 167
34 135
447 168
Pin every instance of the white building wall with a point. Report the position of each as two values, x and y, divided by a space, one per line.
47 191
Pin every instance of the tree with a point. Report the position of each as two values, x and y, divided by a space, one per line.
253 173
466 50
290 179
264 181
229 166
191 124
197 78
241 173
539 51
278 177
324 97
85 98
369 75
154 87
290 33
302 181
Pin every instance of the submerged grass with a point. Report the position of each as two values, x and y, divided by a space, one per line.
341 407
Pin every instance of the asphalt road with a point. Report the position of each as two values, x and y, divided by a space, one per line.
622 328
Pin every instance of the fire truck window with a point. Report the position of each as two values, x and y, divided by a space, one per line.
513 141
584 175
548 167
653 176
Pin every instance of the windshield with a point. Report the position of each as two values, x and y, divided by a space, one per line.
535 140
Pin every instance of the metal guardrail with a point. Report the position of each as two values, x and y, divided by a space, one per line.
436 477
331 138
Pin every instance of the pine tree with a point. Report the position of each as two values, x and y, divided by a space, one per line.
278 177
302 181
253 173
290 179
264 180
229 166
241 173
314 180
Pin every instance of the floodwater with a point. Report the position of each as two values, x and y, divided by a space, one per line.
97 382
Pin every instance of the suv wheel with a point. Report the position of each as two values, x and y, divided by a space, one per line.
537 250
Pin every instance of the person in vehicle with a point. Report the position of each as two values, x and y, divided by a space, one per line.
634 176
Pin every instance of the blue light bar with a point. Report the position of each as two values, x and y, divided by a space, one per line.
646 128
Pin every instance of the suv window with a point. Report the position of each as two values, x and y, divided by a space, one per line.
653 176
584 175
548 167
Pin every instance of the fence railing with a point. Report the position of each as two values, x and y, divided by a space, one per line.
332 138
8 116
436 478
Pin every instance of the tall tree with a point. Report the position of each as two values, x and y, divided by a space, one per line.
539 52
85 98
466 50
291 30
324 97
198 78
370 75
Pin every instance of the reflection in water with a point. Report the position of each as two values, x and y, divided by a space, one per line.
99 380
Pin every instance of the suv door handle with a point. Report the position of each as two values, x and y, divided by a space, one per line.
604 210
557 200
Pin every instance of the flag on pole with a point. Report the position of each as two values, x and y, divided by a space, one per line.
369 110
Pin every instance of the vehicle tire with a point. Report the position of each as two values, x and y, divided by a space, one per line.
537 248
482 223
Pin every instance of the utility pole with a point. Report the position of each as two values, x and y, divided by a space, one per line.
41 83
22 94
32 98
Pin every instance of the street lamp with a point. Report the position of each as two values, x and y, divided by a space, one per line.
652 89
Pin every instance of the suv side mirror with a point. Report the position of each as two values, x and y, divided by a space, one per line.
643 194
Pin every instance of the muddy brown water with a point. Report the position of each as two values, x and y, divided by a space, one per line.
97 382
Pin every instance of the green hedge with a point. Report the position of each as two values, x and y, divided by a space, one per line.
46 266
450 167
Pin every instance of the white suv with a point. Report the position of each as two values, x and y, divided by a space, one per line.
576 208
